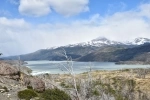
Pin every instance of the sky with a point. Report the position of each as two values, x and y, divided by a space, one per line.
30 25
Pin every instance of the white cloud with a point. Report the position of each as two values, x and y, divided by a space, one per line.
19 36
69 7
43 7
34 7
145 10
11 35
15 23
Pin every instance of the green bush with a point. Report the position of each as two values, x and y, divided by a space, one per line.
126 70
64 85
55 94
95 92
29 87
27 94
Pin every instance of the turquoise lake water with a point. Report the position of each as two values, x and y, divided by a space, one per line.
55 67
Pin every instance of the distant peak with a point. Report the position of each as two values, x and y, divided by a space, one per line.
100 39
141 40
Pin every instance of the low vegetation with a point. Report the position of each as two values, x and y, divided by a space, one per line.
125 84
50 94
27 94
55 94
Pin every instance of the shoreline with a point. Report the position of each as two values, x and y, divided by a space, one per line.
51 69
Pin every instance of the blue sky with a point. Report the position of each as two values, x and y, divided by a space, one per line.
9 9
29 25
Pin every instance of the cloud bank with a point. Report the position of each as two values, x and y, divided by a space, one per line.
19 36
44 7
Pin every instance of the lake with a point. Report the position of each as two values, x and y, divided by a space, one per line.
55 67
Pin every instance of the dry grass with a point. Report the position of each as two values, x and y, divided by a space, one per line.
141 84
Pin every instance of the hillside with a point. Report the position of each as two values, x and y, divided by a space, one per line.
94 50
56 54
74 50
138 53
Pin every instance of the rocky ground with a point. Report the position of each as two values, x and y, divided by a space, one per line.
14 77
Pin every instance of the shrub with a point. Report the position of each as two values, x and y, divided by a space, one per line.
27 94
78 88
29 87
62 84
95 92
126 70
55 94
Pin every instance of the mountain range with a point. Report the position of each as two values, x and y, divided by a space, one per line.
99 49
102 41
137 53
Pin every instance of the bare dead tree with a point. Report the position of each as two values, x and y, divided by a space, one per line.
19 71
69 68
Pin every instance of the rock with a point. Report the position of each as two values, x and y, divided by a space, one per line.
33 81
2 90
7 69
26 70
13 62
37 84
11 69
26 80
15 77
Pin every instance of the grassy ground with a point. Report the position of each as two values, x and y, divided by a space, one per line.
138 79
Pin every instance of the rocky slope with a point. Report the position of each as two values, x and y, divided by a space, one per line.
138 53
13 79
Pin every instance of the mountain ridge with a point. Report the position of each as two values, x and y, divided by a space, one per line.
102 41
138 53
79 50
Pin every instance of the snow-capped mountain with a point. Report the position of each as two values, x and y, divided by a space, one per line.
100 41
82 49
140 40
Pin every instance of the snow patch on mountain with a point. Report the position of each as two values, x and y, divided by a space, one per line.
102 41
140 40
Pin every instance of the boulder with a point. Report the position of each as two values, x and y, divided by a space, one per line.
7 69
11 71
37 84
